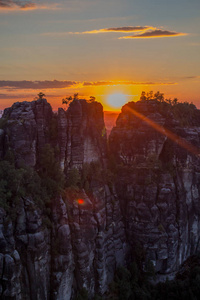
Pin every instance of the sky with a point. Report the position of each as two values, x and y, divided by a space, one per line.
99 48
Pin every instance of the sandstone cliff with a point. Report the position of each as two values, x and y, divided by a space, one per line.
84 243
158 184
151 199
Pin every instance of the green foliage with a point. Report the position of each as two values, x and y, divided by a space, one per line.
150 269
128 284
53 131
134 283
50 172
152 161
139 254
122 278
3 122
11 187
73 178
47 160
25 182
97 297
184 112
134 272
10 157
71 195
19 183
47 222
95 170
91 172
161 228
82 295
112 163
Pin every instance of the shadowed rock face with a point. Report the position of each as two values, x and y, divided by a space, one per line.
82 134
154 201
85 242
79 133
159 185
27 130
82 248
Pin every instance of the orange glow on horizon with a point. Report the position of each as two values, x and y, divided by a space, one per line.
132 90
117 100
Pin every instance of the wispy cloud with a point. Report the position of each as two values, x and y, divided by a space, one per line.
116 29
99 83
139 32
158 33
8 96
192 77
55 84
46 84
13 4
18 5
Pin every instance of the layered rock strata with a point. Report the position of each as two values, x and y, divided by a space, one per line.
153 201
159 183
84 243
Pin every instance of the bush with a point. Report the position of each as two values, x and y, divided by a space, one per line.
82 295
17 183
73 178
3 122
49 170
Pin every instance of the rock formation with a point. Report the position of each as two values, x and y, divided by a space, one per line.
84 243
159 185
83 235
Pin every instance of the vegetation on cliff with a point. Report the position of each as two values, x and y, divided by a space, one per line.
135 282
130 197
25 182
185 113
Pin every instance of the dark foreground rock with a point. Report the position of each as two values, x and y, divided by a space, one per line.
83 235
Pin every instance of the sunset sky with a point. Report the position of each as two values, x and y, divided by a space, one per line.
99 48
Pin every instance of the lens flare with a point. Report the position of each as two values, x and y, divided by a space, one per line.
80 201
172 136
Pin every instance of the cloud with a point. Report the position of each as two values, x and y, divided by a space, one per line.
23 5
158 33
192 77
36 85
8 96
103 83
55 84
139 32
25 96
14 4
116 29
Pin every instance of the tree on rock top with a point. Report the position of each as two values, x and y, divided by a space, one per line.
41 95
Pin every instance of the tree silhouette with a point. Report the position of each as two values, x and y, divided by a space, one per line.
67 100
92 99
76 96
41 95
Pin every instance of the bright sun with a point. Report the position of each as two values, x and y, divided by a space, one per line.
116 100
